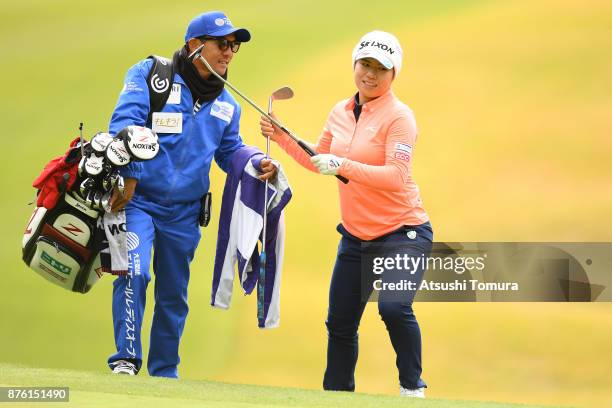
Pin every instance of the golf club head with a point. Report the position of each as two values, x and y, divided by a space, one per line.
91 200
86 187
141 142
108 168
100 142
107 182
117 154
120 185
96 201
106 200
115 178
94 165
282 93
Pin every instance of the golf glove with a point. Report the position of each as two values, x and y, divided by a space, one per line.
327 164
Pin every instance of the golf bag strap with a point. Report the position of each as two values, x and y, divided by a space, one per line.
159 81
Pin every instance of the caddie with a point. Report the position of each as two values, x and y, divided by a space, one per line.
163 197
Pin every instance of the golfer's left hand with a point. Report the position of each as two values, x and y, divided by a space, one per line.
328 164
268 169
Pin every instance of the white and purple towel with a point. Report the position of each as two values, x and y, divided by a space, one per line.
241 226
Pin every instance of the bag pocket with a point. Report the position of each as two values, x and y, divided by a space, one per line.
56 262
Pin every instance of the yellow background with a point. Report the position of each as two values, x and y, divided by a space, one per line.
513 102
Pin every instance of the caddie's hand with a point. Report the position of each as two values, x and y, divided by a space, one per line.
269 170
119 201
268 129
327 164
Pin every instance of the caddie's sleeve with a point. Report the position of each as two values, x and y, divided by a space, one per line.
132 108
397 170
230 141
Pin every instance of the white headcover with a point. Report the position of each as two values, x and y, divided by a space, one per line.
141 142
117 154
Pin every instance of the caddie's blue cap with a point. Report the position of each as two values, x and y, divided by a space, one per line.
215 24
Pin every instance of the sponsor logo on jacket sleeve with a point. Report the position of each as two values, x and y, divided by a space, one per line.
131 86
222 110
403 151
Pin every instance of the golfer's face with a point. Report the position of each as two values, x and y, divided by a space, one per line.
217 57
372 79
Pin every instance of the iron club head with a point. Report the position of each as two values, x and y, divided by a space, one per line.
281 93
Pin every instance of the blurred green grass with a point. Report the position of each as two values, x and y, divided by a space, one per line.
512 99
89 389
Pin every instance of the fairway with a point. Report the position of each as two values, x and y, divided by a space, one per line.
512 99
89 389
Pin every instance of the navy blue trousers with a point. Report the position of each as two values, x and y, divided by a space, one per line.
346 306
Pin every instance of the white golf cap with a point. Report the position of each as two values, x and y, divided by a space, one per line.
382 46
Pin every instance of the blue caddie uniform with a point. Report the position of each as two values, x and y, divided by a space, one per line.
164 213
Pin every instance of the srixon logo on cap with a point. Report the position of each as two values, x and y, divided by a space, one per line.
377 44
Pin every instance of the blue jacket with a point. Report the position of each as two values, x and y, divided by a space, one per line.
179 172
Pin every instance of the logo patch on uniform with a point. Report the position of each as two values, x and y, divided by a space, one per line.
167 122
402 156
132 240
403 151
131 87
175 95
159 85
404 147
222 110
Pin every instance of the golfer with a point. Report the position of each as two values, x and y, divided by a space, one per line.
369 139
199 122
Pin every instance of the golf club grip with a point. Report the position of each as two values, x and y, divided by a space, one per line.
311 153
342 179
308 150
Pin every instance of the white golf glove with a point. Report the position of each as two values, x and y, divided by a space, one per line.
328 164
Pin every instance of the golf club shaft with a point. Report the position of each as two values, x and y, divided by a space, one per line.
265 210
261 281
198 53
81 139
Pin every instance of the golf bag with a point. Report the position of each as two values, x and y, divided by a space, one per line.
62 244
61 241
64 240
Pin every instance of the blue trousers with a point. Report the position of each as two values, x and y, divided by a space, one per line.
346 306
174 233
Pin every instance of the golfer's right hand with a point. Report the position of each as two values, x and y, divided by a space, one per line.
119 201
268 129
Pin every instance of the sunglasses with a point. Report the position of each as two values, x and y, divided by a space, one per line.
224 43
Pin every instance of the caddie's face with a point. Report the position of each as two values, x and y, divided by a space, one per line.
217 56
372 79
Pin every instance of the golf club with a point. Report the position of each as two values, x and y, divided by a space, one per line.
82 142
198 53
280 94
